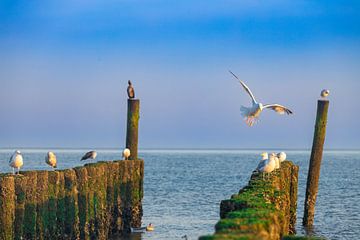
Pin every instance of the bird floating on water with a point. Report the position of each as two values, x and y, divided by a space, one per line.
126 153
16 161
251 114
130 90
281 156
89 155
148 228
50 159
325 93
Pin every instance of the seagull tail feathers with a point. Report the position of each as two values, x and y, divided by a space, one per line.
244 111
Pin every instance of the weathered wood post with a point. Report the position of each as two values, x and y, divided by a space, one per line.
132 127
315 162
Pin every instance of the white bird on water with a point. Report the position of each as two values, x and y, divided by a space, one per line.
251 114
281 156
16 161
126 153
89 155
50 159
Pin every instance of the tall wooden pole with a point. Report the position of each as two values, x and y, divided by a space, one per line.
315 162
132 127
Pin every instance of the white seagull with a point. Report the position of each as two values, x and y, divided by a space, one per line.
16 161
265 156
267 166
126 153
325 93
277 161
91 155
50 159
251 114
281 156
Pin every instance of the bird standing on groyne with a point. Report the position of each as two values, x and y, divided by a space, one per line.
126 153
251 114
281 156
130 90
264 156
16 161
276 159
267 166
50 159
89 155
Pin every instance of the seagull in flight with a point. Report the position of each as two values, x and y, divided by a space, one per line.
251 114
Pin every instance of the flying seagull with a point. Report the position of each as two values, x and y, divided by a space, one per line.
251 114
130 90
50 159
91 154
16 161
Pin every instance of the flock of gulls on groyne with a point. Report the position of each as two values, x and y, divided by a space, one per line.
17 161
268 164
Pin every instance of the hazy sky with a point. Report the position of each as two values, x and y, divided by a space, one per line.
64 68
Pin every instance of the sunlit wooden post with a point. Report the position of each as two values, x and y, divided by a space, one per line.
315 162
132 127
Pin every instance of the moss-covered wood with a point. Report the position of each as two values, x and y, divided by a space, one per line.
264 209
90 202
315 162
133 127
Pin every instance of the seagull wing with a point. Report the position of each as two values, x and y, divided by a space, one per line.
278 108
86 156
247 89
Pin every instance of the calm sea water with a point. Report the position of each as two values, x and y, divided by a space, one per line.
183 188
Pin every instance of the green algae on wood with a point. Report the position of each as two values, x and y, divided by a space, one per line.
262 209
91 202
7 206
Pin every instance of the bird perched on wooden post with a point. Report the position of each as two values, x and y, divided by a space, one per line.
126 153
91 155
130 90
325 93
50 159
16 161
251 114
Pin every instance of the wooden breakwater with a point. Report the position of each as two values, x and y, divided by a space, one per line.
264 209
94 201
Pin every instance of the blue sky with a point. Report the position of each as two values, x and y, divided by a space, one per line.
65 65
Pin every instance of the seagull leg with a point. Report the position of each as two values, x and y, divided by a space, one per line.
13 171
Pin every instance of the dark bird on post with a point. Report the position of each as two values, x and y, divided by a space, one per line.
91 154
130 90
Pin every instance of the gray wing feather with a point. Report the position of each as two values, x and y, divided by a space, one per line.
247 89
278 108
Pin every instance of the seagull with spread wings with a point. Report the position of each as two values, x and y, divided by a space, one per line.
251 114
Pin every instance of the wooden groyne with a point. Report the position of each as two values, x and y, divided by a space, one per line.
264 209
94 201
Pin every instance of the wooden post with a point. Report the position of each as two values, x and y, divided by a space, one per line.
315 162
132 127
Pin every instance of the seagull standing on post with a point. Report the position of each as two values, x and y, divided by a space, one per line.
130 90
91 155
251 114
50 159
16 161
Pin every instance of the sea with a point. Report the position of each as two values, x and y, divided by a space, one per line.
183 188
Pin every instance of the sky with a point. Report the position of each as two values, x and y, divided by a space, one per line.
64 68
